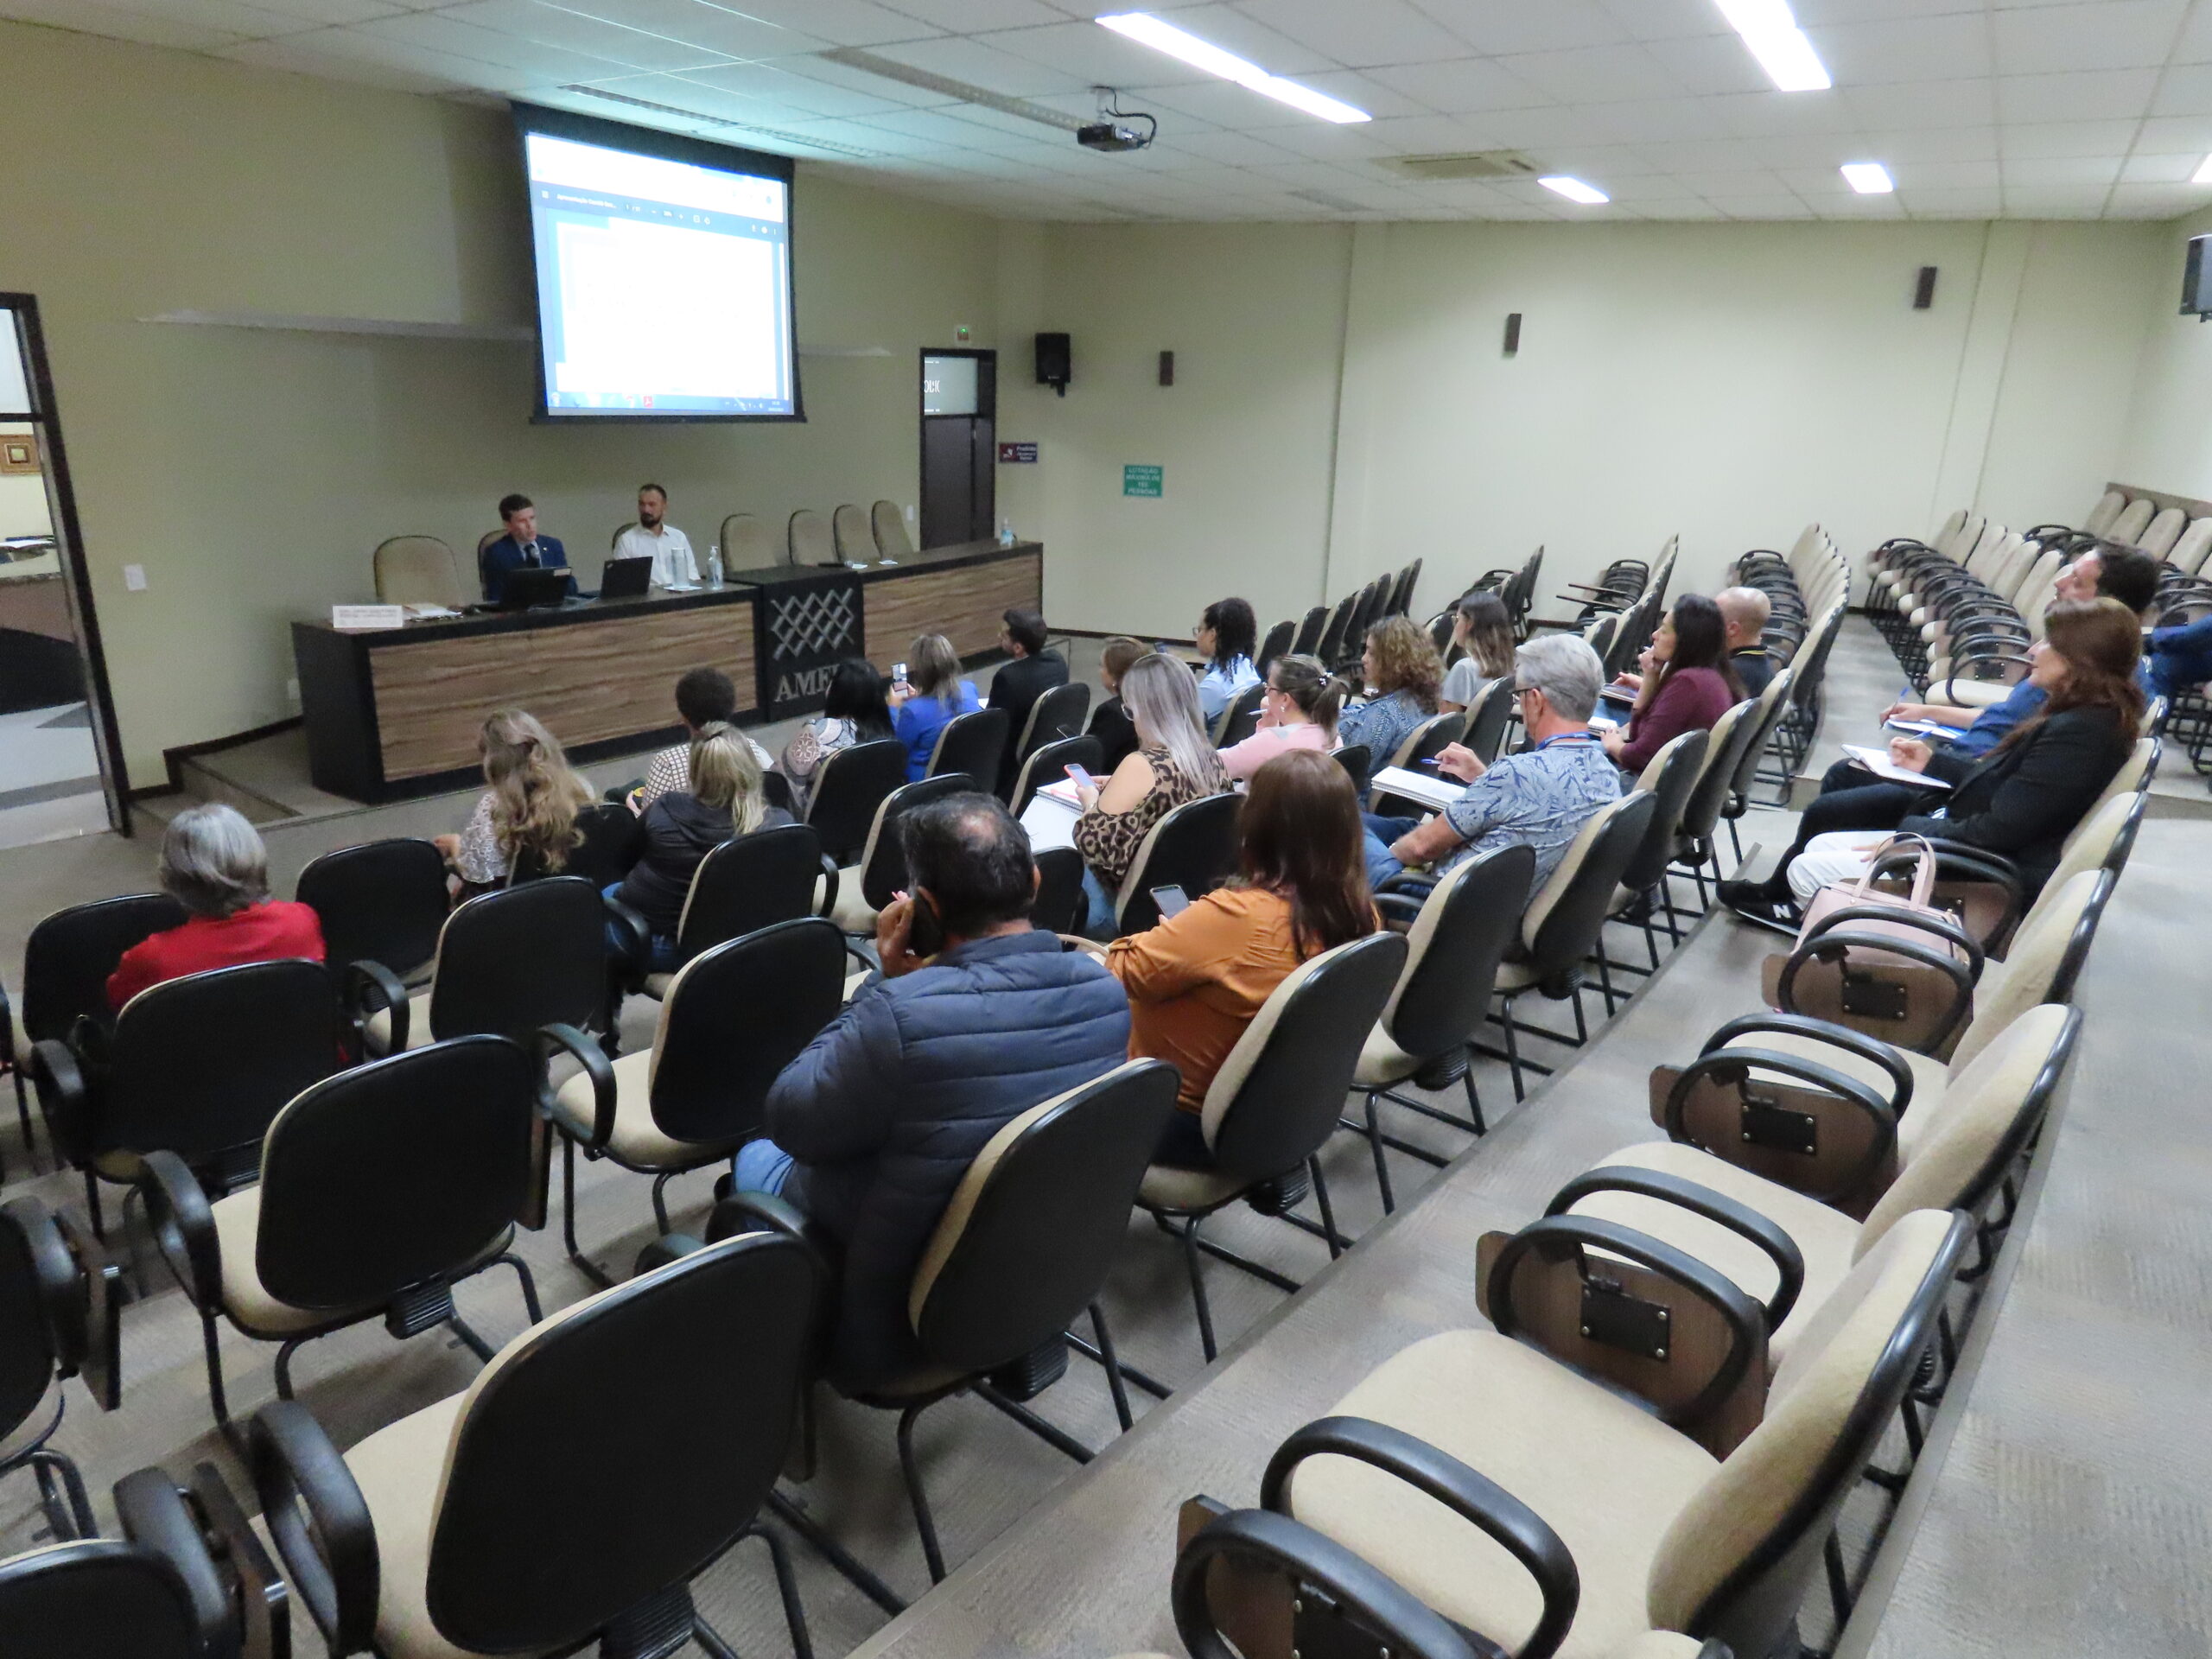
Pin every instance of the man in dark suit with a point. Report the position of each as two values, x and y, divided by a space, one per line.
1018 684
521 548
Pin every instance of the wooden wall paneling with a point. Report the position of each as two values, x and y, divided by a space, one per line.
431 698
965 604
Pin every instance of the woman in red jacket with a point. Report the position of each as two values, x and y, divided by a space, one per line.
1688 683
214 865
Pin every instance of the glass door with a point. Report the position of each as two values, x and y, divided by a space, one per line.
959 446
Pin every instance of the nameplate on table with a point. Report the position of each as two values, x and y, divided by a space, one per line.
367 618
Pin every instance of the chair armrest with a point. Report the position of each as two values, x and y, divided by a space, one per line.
1833 946
320 1522
1936 923
829 886
636 934
1872 1050
1473 1497
1405 1623
1740 1219
61 1288
367 989
1970 861
1413 884
746 1211
183 1225
258 1590
587 1053
6 1030
153 1513
1076 942
63 1100
1401 906
1732 1068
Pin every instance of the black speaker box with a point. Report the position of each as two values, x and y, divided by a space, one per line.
1055 362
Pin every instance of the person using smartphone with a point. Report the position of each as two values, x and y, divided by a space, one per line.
924 702
1197 979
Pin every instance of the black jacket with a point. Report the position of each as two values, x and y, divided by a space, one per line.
2024 801
1117 734
679 833
1015 687
1753 667
887 1109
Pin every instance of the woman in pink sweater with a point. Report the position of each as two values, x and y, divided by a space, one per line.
1688 684
1298 712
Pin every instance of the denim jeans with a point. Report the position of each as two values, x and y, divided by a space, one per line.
1381 834
760 1166
1099 915
660 955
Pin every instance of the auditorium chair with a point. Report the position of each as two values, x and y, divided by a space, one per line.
1331 646
1641 899
810 539
1401 596
887 526
865 888
731 1019
1642 1475
972 746
199 1066
601 1462
1048 764
1764 716
1352 757
418 570
1240 716
1061 903
1831 1138
1193 847
1022 1249
2134 518
1057 714
1277 644
1425 743
755 881
508 962
187 1579
747 545
1309 632
2191 547
614 840
1793 735
1274 1104
2108 507
1456 936
382 901
381 1188
1489 716
1729 745
854 535
849 786
55 1323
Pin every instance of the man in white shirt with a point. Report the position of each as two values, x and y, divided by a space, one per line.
653 537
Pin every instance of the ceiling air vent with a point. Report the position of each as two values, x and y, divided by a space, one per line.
1475 164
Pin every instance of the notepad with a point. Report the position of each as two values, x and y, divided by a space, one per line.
1921 727
1879 763
1426 788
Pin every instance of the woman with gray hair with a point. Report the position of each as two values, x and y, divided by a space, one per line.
1175 762
214 865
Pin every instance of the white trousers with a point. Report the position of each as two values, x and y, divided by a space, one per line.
1841 855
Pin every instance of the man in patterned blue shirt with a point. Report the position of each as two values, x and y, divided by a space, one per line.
1540 798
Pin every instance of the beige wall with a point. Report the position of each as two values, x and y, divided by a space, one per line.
23 495
2169 441
252 473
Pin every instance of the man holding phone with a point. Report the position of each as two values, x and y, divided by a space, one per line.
977 1017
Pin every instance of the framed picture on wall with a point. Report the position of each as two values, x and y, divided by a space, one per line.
18 453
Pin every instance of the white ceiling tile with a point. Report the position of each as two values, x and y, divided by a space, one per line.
1229 149
2055 202
1711 63
1766 205
975 16
2194 43
368 50
1667 20
1501 25
1851 205
2164 169
871 92
983 64
319 54
1764 115
2083 95
1097 56
1372 32
785 88
1598 74
2037 171
1948 176
2164 133
446 35
1426 134
1234 30
2109 34
2027 138
1936 203
122 23
1945 47
1756 182
1687 207
696 23
1814 182
845 23
1323 141
1667 120
1639 190
2183 92
1812 12
1713 155
552 27
1463 86
1915 104
1218 103
2156 200
1933 144
321 12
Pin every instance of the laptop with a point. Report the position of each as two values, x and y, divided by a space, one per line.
626 578
535 586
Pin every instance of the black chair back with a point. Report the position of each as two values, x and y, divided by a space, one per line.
201 1066
734 1017
1309 632
973 744
1241 718
1331 650
1049 763
1567 931
885 873
1488 717
1353 759
512 961
1425 743
69 956
848 786
1773 705
607 1455
752 882
1463 931
96 1597
1678 767
1060 904
1058 714
1277 1096
1034 1226
1276 644
382 901
614 836
41 1317
1193 848
1733 743
396 1173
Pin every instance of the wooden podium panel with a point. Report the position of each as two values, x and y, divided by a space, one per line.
966 604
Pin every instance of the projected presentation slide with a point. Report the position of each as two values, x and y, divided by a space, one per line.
663 287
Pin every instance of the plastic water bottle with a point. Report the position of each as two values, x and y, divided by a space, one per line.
714 564
1006 532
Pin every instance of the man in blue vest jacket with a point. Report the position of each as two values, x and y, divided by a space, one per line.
521 548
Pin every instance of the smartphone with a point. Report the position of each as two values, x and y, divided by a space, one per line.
925 931
897 673
1172 900
1082 777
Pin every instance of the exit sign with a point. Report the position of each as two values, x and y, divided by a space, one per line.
1143 481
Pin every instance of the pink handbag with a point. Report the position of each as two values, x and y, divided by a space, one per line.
1937 931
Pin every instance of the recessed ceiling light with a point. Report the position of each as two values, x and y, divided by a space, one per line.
1769 29
1575 190
1869 178
1148 30
2203 174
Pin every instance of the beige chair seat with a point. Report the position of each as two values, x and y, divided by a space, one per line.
1170 1187
398 1470
1514 976
656 986
1976 694
1930 1075
853 982
852 912
1606 1475
419 1024
1381 1062
637 1139
1827 1238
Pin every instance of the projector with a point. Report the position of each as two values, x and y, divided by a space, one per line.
1111 137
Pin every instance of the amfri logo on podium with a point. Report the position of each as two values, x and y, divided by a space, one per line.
809 624
808 683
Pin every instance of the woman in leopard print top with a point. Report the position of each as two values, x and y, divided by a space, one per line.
1175 763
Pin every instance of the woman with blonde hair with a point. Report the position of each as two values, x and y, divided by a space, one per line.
1483 629
725 802
929 699
1174 762
529 809
1403 674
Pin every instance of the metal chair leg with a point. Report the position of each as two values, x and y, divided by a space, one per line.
529 1284
469 1339
1381 1165
585 1265
285 1350
93 1206
660 1201
1513 1054
1581 1023
855 1572
78 1515
1336 1241
1474 1100
910 1469
1199 1288
1114 1383
216 1397
788 1590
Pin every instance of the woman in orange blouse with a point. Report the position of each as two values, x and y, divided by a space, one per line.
1196 980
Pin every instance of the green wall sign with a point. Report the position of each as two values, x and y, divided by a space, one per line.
1143 481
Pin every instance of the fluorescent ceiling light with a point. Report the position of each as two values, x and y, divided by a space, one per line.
1149 30
1575 190
2203 174
1869 178
1769 29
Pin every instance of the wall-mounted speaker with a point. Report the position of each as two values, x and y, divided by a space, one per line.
1167 368
2197 280
1923 292
1055 362
1512 333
